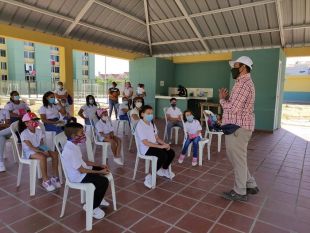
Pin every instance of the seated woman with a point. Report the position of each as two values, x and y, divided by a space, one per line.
88 111
104 130
150 144
134 113
5 133
16 107
50 113
123 109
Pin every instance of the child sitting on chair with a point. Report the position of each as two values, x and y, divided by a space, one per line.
34 148
80 171
214 123
193 130
105 133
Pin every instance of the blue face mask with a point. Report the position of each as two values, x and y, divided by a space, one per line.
149 117
51 100
16 98
190 118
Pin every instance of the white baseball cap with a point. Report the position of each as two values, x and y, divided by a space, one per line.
244 60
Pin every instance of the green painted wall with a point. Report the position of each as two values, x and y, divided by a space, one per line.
91 66
264 75
43 67
143 70
15 54
77 64
164 72
204 74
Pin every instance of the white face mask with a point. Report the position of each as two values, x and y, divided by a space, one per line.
60 87
138 104
104 118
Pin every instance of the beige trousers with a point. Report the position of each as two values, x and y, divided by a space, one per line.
236 149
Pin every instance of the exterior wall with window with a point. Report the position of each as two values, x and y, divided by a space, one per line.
16 60
84 66
3 60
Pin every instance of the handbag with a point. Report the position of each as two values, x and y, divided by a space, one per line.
229 128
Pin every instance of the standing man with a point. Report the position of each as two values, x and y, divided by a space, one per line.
113 99
238 125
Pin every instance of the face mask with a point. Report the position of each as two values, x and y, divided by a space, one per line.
33 124
104 118
91 101
125 102
60 87
149 117
138 104
190 118
79 139
235 73
16 98
51 100
173 105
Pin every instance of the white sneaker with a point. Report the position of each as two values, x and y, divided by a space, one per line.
56 182
118 161
98 213
168 174
104 203
48 185
2 167
160 172
148 181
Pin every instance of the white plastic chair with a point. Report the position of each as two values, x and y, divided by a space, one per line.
90 155
201 145
15 155
207 114
148 159
104 145
87 189
175 128
33 163
124 124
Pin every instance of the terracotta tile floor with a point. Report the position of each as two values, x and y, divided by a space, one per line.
190 203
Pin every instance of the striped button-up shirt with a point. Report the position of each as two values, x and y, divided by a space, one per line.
239 108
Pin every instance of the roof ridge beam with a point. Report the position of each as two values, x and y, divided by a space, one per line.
79 17
120 12
146 12
192 25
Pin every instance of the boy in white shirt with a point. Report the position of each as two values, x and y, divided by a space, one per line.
174 117
193 130
5 133
80 171
105 133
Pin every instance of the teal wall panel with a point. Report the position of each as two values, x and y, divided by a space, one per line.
91 66
43 67
164 72
144 71
203 75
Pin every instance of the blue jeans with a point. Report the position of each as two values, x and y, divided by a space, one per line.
113 104
195 142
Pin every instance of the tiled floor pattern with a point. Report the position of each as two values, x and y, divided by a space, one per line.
189 203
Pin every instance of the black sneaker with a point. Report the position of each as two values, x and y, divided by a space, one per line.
233 196
252 191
